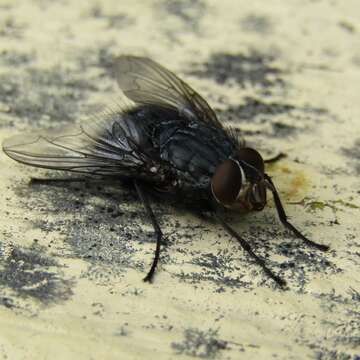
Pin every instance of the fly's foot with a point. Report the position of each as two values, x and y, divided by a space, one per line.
150 276
275 158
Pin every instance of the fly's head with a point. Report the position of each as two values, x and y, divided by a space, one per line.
238 183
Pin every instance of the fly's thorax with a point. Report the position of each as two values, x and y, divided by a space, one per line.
238 182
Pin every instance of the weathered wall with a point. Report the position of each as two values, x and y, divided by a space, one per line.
72 257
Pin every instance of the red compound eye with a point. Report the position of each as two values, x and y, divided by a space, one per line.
251 157
226 182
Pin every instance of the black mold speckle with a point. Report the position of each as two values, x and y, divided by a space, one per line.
103 246
254 69
117 21
282 130
355 295
254 107
228 269
7 302
267 116
38 94
343 331
101 57
353 153
190 12
304 262
9 27
104 235
29 273
14 58
200 344
257 23
222 269
122 331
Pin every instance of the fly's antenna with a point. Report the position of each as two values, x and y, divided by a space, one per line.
253 168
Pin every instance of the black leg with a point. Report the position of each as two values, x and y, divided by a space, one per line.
245 245
275 158
159 235
285 222
50 181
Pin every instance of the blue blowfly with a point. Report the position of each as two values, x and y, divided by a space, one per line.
169 141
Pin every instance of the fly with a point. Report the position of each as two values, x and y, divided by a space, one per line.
168 140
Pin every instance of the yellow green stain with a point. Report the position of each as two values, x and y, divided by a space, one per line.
314 205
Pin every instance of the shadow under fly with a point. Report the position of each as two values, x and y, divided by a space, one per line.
169 140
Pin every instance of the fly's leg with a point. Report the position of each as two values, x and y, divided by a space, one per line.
284 220
159 235
245 245
50 181
275 158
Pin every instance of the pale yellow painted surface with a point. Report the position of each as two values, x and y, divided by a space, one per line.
100 309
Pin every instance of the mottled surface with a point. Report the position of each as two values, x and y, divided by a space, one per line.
72 257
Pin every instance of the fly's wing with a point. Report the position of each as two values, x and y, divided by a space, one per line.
146 82
110 146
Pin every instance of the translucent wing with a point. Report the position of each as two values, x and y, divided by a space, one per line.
146 82
108 146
